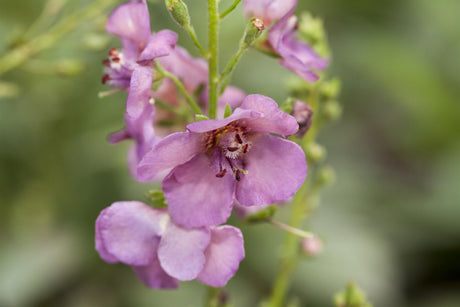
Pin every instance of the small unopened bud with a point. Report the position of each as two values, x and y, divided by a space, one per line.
316 153
253 30
326 175
330 89
178 11
303 114
352 295
332 110
312 246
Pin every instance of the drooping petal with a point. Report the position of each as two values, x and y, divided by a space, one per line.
119 136
268 10
223 256
173 150
131 21
276 170
160 44
181 251
195 196
273 120
212 124
153 276
129 232
296 55
139 91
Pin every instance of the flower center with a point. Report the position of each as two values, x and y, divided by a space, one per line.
232 145
117 73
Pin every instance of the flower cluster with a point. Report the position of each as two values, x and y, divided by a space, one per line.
241 159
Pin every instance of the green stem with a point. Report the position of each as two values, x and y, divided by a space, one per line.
213 41
192 34
231 65
24 52
180 86
230 9
303 203
213 298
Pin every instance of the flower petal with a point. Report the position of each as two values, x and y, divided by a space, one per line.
223 256
212 124
276 170
160 44
153 276
273 120
131 21
195 196
268 10
139 91
128 231
181 251
173 150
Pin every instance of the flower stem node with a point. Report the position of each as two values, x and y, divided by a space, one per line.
179 12
315 152
157 199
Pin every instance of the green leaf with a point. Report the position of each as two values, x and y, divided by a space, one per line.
228 111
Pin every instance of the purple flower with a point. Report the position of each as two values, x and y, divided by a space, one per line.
161 252
142 132
132 68
296 55
268 10
218 161
232 96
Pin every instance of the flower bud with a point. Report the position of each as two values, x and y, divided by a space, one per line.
332 110
330 89
312 246
352 295
325 176
315 153
178 11
303 114
253 30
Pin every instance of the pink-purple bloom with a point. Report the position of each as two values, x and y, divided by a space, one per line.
131 69
163 253
296 55
216 162
268 10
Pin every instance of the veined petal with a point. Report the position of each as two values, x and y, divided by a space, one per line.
153 276
139 91
181 251
223 256
276 170
159 45
170 152
195 196
273 120
213 124
131 21
129 232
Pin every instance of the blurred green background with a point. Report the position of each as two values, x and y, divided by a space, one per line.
391 222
